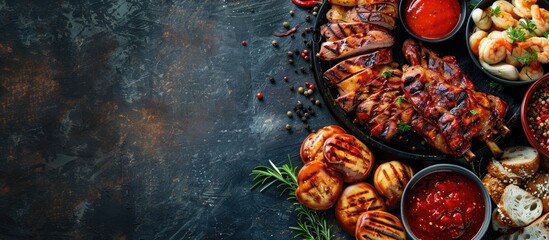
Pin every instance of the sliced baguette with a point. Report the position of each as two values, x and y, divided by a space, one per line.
494 186
497 170
517 207
538 186
496 223
521 160
538 230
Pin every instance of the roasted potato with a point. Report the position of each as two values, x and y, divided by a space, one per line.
390 179
354 200
312 147
349 156
378 225
318 186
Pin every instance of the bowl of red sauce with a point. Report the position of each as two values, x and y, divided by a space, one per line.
432 20
445 201
534 115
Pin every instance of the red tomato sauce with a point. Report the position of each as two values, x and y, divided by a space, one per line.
445 205
432 18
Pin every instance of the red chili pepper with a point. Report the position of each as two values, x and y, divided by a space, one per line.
287 33
305 3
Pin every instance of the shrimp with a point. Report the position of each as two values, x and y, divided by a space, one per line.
474 40
529 72
503 18
523 8
499 34
541 18
538 44
503 6
514 55
493 51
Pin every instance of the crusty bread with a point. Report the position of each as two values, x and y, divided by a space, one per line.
355 200
312 146
390 179
538 186
349 156
497 170
378 225
496 225
521 160
517 207
538 230
494 186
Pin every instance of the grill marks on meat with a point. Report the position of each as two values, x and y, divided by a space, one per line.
354 45
337 31
351 66
382 14
447 98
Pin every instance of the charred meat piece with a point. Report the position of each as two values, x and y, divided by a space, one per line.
335 31
355 45
351 3
385 18
456 111
351 66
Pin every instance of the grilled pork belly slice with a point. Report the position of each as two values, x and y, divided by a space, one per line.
335 31
355 45
339 14
351 66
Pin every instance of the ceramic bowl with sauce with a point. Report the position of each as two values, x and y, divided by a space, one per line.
432 20
534 115
445 201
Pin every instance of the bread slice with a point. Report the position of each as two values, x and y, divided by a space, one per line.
538 186
521 160
496 223
497 170
538 230
494 186
517 207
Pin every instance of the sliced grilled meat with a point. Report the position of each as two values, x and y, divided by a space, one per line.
385 18
351 66
335 31
351 3
355 45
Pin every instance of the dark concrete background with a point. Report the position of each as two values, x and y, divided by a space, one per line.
137 119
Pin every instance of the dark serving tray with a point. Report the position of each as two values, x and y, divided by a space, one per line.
403 148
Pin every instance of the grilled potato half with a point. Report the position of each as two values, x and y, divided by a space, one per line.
390 179
318 186
349 156
355 200
312 147
378 225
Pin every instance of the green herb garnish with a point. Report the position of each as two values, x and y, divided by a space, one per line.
495 85
473 112
399 100
516 34
527 58
546 34
528 24
387 74
495 11
402 126
311 224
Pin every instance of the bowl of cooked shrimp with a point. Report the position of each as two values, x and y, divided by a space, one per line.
508 39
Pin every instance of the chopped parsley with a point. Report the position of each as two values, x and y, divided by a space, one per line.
527 58
402 126
473 112
516 34
528 24
399 100
387 73
546 34
495 85
495 11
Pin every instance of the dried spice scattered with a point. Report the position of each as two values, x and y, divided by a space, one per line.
244 43
287 33
538 115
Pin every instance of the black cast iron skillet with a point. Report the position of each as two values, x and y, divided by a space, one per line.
411 146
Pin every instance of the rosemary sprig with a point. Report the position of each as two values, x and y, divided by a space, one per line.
311 224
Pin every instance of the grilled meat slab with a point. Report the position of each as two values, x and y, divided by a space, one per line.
335 31
355 45
351 66
386 17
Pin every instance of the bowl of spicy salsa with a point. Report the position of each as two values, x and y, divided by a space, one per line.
445 201
432 20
